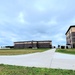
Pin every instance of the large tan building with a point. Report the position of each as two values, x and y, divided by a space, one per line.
33 44
70 36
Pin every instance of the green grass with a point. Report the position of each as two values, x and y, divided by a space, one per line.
20 51
19 70
68 51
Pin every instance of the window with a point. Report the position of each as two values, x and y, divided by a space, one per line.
73 33
73 39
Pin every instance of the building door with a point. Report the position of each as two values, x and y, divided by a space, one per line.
74 45
34 44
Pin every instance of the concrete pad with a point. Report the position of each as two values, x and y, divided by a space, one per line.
47 59
63 61
42 59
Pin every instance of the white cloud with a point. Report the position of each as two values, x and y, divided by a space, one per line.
9 35
50 5
21 18
40 8
4 18
59 37
51 22
72 22
40 5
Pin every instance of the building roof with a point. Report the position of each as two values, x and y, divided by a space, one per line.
33 41
69 29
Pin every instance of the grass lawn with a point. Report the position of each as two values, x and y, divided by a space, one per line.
69 51
19 70
20 51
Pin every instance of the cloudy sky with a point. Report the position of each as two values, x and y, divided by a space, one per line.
22 20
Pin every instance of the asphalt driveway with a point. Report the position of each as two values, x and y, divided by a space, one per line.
47 59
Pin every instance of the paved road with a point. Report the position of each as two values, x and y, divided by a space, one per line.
47 59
